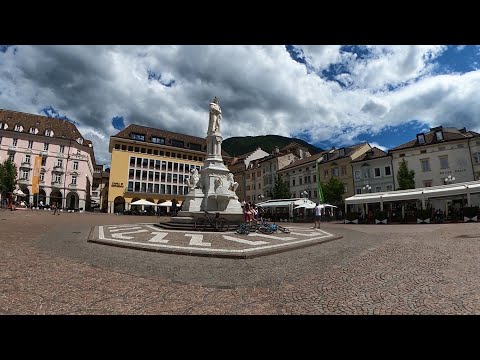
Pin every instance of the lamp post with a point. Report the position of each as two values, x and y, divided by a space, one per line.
319 186
449 179
368 188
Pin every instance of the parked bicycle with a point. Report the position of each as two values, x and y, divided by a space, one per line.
243 229
202 223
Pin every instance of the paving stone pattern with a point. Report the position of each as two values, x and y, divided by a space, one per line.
48 267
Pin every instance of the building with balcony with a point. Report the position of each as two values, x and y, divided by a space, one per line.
67 158
152 164
99 197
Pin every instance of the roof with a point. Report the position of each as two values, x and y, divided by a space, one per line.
168 135
335 154
415 194
62 129
449 134
373 153
301 162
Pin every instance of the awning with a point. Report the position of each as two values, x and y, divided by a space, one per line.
143 202
275 204
416 194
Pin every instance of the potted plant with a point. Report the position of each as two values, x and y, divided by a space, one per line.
470 214
381 217
352 217
423 216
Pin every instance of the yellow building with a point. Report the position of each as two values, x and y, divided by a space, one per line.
151 164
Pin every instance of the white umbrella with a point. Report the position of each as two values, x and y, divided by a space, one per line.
165 204
326 205
306 206
143 202
18 192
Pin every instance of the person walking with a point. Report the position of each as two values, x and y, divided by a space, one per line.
56 209
318 215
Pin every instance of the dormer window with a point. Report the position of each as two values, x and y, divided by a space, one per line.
18 128
421 138
439 135
80 141
135 136
3 126
341 152
33 130
48 132
158 140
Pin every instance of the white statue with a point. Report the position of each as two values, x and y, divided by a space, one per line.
194 178
215 116
233 185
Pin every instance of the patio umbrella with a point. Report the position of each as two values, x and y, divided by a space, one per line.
143 202
305 206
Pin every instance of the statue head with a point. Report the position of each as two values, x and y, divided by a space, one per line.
230 176
215 100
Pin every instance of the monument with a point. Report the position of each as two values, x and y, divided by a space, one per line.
213 187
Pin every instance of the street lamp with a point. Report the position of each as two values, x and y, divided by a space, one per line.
261 197
367 187
449 179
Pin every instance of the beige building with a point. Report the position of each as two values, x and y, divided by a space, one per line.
338 163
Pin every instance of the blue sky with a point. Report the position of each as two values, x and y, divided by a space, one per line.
328 95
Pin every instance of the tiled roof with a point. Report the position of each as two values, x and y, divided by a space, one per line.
62 129
168 135
449 134
300 162
373 153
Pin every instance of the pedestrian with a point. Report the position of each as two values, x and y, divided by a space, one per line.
56 210
318 215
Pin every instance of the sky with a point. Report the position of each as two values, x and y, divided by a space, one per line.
328 95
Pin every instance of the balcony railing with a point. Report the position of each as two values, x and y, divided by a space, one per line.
56 183
26 164
58 168
44 153
72 186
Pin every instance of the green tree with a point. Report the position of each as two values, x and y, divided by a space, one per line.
281 190
8 177
406 178
333 191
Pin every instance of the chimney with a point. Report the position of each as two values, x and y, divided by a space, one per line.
277 150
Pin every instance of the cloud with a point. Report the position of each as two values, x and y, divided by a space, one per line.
377 145
262 90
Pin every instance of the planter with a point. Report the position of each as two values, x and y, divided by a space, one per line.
351 221
470 219
423 221
384 221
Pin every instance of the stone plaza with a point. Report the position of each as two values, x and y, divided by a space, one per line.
48 266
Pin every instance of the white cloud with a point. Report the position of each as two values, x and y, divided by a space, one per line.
262 90
377 145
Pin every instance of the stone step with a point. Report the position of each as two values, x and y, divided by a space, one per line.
188 227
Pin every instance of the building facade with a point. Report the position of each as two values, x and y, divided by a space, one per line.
67 159
337 163
152 164
373 172
99 198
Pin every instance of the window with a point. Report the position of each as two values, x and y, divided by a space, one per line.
366 173
439 135
59 163
0 139
142 150
62 149
145 163
45 146
343 170
17 128
389 187
476 158
177 143
124 147
130 148
155 152
139 162
117 146
75 165
425 164
376 172
144 175
358 190
11 157
293 182
131 174
378 188
44 161
130 186
14 143
335 171
42 177
132 161
57 179
27 159
47 132
74 179
388 171
30 144
152 164
314 178
135 136
32 130
25 174
444 162
158 140
427 183
137 149
421 139
358 175
143 187
149 151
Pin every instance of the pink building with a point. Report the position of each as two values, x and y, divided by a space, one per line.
67 158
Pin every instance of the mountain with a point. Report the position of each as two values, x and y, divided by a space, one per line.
239 145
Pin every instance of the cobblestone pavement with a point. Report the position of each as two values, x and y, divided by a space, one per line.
48 267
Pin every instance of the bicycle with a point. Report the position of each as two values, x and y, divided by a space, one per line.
266 228
202 223
283 229
243 229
